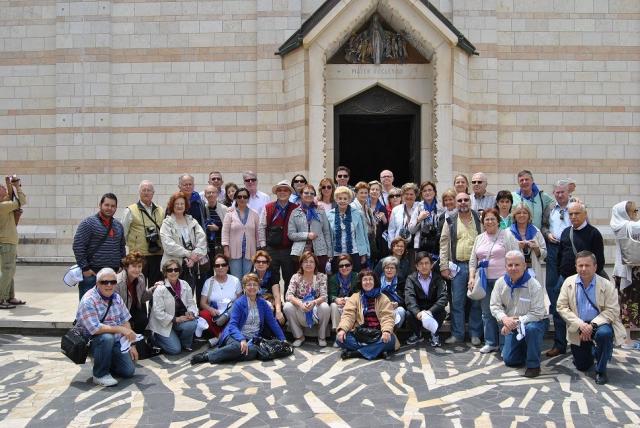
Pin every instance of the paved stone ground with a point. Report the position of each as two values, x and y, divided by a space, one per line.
452 386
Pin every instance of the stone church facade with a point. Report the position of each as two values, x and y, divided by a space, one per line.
97 95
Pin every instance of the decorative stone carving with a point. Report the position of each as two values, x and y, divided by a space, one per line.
375 45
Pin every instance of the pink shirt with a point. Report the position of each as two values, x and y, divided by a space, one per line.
482 247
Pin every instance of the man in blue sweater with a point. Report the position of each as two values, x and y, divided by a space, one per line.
99 242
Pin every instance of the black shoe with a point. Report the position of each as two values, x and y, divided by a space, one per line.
414 338
187 348
435 341
199 358
384 355
601 378
349 354
532 372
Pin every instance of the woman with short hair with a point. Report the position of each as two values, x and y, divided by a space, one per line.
341 286
240 234
424 221
381 218
395 198
401 217
530 240
504 203
393 286
348 231
361 202
132 288
250 316
269 282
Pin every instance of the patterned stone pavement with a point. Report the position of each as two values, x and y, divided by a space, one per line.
417 387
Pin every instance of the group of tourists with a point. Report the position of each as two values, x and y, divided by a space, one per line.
363 264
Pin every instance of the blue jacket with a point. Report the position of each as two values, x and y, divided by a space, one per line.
239 314
361 238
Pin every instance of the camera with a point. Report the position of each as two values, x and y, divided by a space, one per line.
153 240
404 233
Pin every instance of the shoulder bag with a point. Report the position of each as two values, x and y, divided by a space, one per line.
479 290
75 345
270 349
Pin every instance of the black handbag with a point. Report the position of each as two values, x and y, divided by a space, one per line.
270 349
75 345
367 335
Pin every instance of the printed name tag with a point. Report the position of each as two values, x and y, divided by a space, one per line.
522 299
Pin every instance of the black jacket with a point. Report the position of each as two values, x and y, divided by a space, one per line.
415 300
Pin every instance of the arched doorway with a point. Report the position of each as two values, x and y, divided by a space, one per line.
378 130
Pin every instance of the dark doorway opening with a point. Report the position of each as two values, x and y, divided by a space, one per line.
378 130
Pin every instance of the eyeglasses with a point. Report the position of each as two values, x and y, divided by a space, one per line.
389 267
173 270
477 182
216 179
386 176
261 262
345 265
395 196
299 181
309 193
463 200
342 176
327 187
220 265
242 196
109 282
250 180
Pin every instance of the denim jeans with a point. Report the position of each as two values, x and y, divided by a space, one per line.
230 351
559 326
367 351
239 267
87 283
490 324
526 351
7 269
458 302
107 357
584 355
181 336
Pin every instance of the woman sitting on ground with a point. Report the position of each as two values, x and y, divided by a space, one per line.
393 287
371 309
307 300
269 283
218 293
249 317
133 289
341 286
173 314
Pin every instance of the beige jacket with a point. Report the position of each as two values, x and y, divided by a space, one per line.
172 240
606 301
352 315
164 307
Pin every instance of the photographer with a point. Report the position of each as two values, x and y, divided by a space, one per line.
11 199
141 222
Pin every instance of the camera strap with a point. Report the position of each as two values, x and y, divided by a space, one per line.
144 212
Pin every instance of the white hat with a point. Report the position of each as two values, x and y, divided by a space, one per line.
73 276
201 326
282 183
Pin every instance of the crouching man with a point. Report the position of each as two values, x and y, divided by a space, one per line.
518 303
589 305
103 315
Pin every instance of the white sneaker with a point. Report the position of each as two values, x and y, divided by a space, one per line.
213 342
297 343
106 380
475 341
488 348
452 340
335 344
322 342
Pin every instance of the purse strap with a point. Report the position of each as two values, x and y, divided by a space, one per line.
107 311
492 245
571 239
588 298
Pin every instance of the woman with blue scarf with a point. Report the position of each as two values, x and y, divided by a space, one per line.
341 287
392 286
488 262
269 283
348 231
309 229
530 240
424 221
367 315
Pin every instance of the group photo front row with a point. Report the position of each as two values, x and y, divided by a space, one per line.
361 268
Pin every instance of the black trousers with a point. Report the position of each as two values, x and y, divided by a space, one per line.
415 325
151 269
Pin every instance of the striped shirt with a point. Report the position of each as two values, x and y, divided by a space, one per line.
90 253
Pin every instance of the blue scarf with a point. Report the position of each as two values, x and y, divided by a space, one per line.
529 234
390 288
195 203
309 315
345 285
534 193
338 229
482 271
280 211
519 283
366 295
244 235
264 283
311 212
432 208
215 219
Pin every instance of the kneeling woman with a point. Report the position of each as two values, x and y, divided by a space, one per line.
173 314
249 317
371 309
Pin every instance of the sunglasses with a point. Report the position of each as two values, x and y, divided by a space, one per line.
216 179
395 196
476 182
299 181
250 180
242 196
220 265
342 176
171 270
261 262
386 176
309 193
327 187
463 200
109 282
562 215
346 265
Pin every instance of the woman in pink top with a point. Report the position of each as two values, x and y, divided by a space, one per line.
240 235
488 259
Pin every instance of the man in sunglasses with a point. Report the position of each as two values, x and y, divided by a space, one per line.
555 219
104 317
257 199
215 179
481 199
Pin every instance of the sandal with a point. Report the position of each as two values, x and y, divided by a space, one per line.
15 301
6 305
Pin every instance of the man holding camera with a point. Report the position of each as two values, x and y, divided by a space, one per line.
11 199
99 242
141 223
589 305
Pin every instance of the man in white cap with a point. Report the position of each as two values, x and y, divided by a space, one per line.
273 229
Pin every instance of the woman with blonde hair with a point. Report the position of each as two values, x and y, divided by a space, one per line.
325 198
348 230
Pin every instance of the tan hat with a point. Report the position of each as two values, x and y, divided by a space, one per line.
282 183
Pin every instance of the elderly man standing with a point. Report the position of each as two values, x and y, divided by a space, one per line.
529 193
580 236
589 305
103 315
386 178
216 212
257 199
141 223
480 198
9 241
274 230
196 203
215 179
99 242
517 302
456 243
